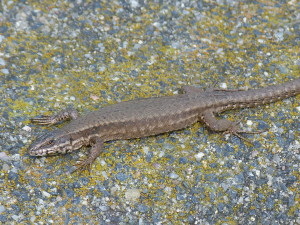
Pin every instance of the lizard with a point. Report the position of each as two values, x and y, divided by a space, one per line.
151 116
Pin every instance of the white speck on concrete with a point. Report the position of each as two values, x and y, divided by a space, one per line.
2 62
132 194
199 156
26 128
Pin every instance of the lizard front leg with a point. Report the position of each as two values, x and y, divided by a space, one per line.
85 164
66 114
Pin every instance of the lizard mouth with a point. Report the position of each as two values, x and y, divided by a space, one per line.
42 146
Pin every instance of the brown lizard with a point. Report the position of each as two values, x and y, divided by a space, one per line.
151 116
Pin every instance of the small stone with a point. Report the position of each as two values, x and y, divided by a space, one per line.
26 128
199 156
132 194
173 175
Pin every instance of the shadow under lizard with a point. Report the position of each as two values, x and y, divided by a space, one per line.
151 116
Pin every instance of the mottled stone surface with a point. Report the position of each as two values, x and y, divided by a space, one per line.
93 53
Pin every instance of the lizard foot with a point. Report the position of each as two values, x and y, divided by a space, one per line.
82 165
234 130
44 120
86 164
66 114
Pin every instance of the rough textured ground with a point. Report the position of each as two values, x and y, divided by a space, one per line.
89 54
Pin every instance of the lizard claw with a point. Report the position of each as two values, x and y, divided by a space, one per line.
43 120
83 165
236 132
86 164
65 114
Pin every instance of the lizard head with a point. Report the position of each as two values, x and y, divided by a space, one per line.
51 143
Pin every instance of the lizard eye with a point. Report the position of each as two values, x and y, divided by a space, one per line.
50 142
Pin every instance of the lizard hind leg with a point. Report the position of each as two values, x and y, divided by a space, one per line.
224 125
